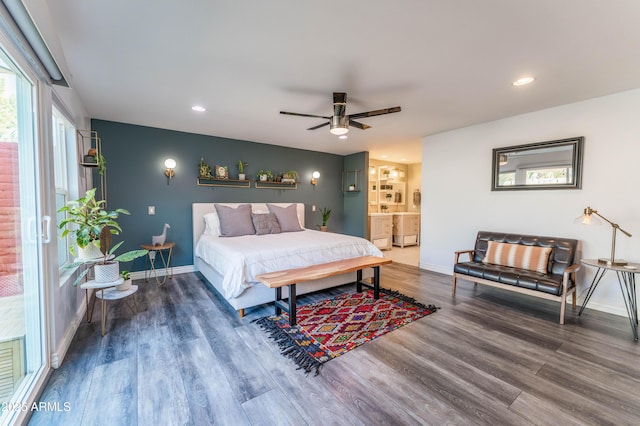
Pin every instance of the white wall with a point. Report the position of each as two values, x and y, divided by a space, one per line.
457 199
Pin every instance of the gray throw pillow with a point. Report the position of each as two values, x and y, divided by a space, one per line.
265 223
235 222
287 217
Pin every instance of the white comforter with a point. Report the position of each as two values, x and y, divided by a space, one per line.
240 259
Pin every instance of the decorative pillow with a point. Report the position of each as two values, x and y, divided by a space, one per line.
518 256
235 222
212 224
287 217
265 223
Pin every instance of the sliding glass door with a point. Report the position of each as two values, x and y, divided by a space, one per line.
22 233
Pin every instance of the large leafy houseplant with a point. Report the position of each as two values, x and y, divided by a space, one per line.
93 224
87 216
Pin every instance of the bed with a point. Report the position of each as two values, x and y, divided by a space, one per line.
230 264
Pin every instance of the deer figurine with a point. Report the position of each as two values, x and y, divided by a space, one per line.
158 240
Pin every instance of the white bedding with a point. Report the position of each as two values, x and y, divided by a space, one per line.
240 259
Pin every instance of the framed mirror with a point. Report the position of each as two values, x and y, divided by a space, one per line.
541 165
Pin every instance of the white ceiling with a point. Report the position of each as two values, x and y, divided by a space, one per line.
448 64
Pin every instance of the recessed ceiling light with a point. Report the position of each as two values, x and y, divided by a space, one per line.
198 108
343 137
383 156
522 81
403 159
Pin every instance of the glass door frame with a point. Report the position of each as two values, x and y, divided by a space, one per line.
26 393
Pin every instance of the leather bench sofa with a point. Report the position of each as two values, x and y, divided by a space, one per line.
534 265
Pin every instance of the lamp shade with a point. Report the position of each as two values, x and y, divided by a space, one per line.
170 163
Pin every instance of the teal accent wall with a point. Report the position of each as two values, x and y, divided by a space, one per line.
355 203
135 179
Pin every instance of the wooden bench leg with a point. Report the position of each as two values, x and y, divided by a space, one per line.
376 282
290 306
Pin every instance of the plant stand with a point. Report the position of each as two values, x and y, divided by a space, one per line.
107 291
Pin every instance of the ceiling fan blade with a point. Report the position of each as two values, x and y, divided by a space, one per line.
318 126
374 113
358 125
304 115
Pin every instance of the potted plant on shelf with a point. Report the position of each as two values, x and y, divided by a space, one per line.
326 213
264 175
290 176
88 216
241 173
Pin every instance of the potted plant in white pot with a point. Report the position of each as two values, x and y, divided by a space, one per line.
126 285
264 175
84 221
241 174
107 269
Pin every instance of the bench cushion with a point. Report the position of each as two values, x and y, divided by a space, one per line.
548 283
518 256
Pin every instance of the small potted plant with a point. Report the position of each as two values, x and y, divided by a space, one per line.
265 175
290 176
326 213
352 187
241 173
126 285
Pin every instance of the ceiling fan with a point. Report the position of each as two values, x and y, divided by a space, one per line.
339 122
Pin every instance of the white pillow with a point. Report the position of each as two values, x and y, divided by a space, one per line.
212 224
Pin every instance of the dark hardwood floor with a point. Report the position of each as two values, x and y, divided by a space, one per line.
487 357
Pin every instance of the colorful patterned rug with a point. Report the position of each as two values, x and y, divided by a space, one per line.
333 327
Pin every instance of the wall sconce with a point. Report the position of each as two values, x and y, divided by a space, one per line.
314 178
170 164
588 218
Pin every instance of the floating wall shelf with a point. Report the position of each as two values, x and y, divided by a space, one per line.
261 184
230 183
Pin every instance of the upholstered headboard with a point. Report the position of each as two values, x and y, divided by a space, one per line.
200 209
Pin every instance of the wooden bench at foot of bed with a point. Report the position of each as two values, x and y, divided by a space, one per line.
291 277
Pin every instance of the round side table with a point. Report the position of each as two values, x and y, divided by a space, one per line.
151 257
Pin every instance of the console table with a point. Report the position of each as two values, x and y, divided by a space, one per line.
627 280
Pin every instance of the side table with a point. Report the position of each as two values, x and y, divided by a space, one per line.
627 280
151 257
107 291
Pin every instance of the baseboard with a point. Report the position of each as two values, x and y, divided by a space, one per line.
140 275
615 310
58 356
435 268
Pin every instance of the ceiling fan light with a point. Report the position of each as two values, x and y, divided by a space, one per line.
339 125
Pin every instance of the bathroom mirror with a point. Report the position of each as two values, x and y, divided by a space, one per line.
542 165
